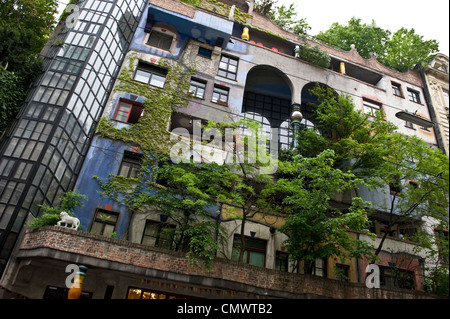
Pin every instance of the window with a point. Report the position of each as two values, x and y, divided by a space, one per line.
414 96
342 272
441 240
141 293
150 74
128 112
254 253
157 234
204 52
228 67
197 88
220 94
370 107
160 40
397 89
446 99
318 267
409 125
394 277
281 261
104 222
131 164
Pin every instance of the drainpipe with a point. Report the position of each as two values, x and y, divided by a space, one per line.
432 111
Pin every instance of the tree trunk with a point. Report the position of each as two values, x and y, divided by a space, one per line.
242 250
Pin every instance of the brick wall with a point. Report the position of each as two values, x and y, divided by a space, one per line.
67 240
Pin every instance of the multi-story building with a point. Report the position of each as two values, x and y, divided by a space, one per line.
437 90
53 148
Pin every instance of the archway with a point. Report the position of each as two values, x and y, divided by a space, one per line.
267 100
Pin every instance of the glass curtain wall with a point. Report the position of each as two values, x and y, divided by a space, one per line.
43 153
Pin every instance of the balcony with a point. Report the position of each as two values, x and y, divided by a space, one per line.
54 244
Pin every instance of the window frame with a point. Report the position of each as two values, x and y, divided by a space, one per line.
132 104
133 160
414 96
160 226
105 222
371 105
207 56
229 66
219 100
249 249
152 70
397 89
197 85
164 35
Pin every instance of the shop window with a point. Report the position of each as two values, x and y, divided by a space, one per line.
131 165
150 74
141 293
128 112
104 222
254 252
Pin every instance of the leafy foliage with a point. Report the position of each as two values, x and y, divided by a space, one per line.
401 50
367 38
314 54
317 230
26 26
406 49
11 97
50 215
283 16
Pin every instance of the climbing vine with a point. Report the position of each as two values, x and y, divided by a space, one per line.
150 134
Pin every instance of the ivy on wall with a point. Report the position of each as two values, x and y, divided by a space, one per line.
150 134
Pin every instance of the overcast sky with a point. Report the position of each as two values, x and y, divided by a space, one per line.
429 18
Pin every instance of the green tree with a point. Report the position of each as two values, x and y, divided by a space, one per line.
406 49
303 192
11 97
411 174
367 38
283 16
25 28
401 50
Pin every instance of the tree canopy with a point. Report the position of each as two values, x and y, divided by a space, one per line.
401 50
25 28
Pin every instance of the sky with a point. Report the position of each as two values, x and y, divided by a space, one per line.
429 18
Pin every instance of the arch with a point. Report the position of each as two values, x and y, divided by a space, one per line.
268 80
267 100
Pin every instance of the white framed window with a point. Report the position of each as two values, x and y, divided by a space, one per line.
370 107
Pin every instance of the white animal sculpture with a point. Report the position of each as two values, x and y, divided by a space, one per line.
68 220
